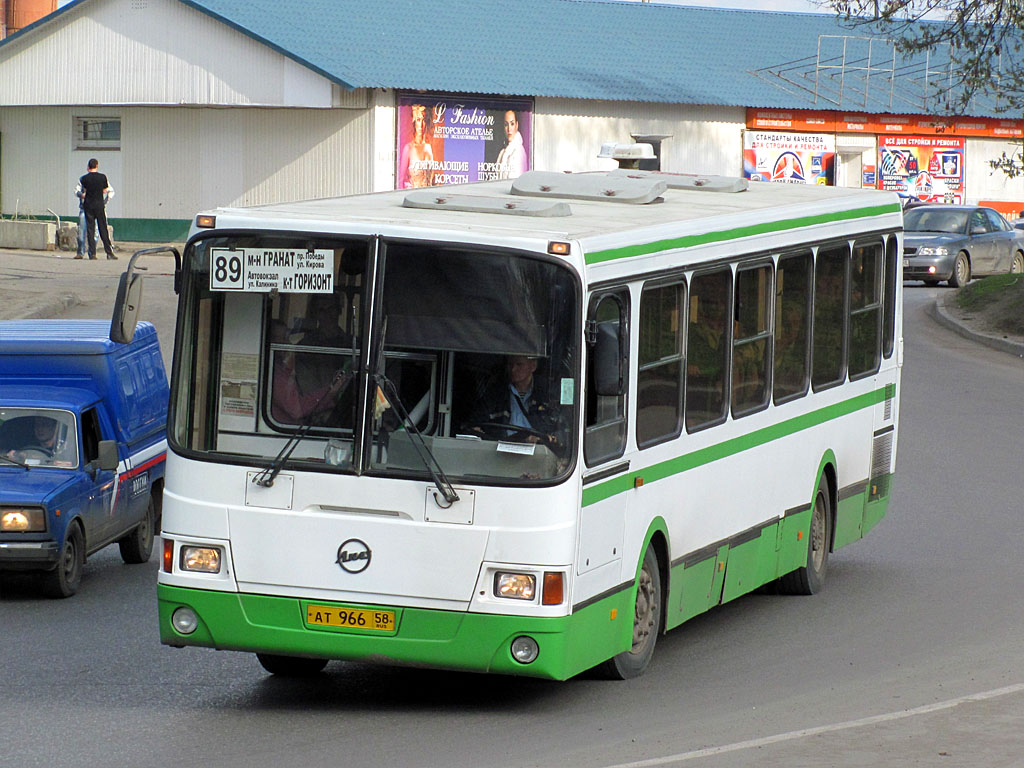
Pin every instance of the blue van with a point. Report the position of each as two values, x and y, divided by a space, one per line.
82 446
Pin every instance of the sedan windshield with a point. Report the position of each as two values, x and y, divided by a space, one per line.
467 367
952 221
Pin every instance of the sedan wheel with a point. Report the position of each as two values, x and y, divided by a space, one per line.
1018 263
961 271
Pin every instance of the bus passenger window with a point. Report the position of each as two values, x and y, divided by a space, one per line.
752 348
792 325
707 348
865 309
828 358
605 434
892 257
659 400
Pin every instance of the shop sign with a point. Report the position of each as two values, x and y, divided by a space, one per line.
792 158
446 139
928 167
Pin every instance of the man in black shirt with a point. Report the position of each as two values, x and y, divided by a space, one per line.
95 186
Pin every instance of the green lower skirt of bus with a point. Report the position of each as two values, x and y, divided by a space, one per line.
444 639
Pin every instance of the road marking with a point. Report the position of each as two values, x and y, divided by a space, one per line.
780 737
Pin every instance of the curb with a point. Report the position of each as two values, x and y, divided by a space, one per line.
54 308
945 318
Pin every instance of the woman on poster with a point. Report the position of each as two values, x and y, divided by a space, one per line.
416 164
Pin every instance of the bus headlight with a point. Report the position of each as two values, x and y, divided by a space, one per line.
184 620
524 649
200 559
22 520
518 586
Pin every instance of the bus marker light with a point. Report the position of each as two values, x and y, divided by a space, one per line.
518 586
799 535
200 559
614 614
185 620
168 555
206 222
557 248
552 589
637 482
525 649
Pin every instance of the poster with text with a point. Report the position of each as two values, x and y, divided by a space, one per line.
928 167
456 140
791 158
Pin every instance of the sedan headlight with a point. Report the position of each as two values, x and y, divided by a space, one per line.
22 520
200 559
518 586
932 250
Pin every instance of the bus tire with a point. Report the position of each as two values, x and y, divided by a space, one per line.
810 579
646 624
137 545
290 666
63 580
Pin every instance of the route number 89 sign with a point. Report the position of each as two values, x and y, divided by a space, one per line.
261 270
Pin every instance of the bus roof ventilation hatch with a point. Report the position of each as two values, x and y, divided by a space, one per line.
696 181
438 199
605 187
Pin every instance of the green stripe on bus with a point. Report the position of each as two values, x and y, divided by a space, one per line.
690 241
733 446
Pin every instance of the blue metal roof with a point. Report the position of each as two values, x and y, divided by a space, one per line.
593 49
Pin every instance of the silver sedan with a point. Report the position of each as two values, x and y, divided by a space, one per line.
954 242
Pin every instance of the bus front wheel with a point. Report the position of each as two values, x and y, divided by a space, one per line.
646 624
290 666
810 579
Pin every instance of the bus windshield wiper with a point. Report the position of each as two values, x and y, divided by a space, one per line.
422 449
266 477
15 461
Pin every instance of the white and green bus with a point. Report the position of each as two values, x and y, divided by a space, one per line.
524 426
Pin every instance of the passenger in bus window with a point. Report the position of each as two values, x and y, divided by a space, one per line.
289 402
519 400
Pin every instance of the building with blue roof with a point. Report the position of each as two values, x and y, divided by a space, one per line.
193 104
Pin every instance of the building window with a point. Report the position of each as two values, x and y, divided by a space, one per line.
100 133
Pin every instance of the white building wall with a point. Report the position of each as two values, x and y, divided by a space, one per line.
984 183
176 161
568 133
151 52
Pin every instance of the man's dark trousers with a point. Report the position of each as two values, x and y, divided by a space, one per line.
97 217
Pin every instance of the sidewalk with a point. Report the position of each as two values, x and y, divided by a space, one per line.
40 284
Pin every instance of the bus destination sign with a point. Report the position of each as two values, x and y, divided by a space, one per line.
262 270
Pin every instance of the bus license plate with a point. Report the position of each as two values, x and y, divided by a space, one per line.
339 617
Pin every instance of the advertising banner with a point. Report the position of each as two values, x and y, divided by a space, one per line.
928 167
457 139
793 158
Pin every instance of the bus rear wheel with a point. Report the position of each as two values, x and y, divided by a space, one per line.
810 579
290 666
646 624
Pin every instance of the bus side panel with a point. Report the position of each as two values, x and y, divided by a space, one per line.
693 583
877 506
750 565
793 531
849 519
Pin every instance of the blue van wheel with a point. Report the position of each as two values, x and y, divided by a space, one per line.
63 580
137 545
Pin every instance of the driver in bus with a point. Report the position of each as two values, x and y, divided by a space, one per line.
516 400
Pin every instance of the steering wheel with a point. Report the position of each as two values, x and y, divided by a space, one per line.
42 450
497 430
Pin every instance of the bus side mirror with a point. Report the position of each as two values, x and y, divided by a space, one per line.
126 308
606 353
108 455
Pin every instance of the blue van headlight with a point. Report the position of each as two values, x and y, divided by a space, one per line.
22 520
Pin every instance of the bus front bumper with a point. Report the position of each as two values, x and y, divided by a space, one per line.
427 638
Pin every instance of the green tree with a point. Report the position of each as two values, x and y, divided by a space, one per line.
985 44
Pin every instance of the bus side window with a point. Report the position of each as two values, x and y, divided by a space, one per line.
752 348
828 359
708 341
659 381
892 256
865 309
792 325
605 434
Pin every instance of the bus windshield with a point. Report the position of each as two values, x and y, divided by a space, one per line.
468 363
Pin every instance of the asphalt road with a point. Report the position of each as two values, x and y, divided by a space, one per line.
911 655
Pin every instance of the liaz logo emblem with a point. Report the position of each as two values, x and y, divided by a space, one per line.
354 556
